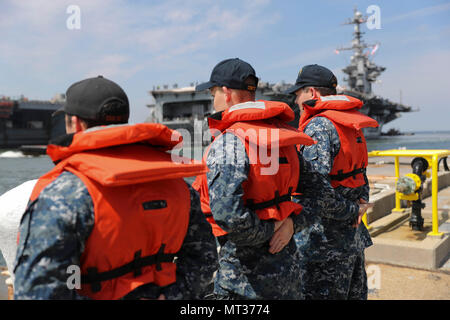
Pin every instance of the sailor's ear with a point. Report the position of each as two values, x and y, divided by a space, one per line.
80 125
227 92
314 93
70 123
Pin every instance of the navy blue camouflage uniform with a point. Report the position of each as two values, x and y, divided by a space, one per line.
246 268
53 233
332 261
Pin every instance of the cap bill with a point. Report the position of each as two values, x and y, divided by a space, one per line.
293 89
60 110
204 86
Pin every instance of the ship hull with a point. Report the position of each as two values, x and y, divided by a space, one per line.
13 138
188 110
29 123
372 133
184 108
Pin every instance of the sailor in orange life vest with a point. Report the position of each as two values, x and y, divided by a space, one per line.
333 263
247 197
116 208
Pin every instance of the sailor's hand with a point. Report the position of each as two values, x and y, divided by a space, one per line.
277 224
283 234
363 207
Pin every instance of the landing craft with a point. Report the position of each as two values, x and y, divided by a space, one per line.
28 124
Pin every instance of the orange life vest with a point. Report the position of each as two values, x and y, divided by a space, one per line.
262 128
141 204
351 161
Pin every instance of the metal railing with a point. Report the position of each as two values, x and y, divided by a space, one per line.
432 156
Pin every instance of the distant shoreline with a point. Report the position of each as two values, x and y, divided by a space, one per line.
426 131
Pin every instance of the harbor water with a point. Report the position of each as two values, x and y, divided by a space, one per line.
420 140
16 168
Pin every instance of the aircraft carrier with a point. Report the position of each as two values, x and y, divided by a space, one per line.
187 109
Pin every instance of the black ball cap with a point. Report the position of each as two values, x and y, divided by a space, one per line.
313 75
86 98
231 73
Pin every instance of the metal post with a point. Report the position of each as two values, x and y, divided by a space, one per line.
398 207
434 199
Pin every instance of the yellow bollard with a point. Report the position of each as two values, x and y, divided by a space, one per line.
434 198
398 207
364 220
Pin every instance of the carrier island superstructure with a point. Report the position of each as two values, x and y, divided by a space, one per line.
185 108
361 74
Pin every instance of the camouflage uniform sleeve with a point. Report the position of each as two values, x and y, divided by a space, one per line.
310 184
319 158
307 217
228 165
53 232
197 259
365 189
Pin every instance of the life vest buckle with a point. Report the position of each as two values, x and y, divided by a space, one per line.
159 257
93 274
137 265
250 203
352 174
277 199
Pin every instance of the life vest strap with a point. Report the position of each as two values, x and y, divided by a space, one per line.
270 203
222 239
342 176
94 278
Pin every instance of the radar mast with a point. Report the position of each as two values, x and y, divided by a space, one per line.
361 72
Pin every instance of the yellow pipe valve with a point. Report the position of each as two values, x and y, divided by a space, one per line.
408 185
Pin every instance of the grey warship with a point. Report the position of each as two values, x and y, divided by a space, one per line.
184 108
26 122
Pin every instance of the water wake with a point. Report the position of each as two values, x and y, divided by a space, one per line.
13 154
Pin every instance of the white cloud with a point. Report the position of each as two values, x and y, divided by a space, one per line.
422 12
38 38
137 44
211 24
141 44
315 55
112 66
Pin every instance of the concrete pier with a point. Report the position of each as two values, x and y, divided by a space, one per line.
412 265
394 240
6 292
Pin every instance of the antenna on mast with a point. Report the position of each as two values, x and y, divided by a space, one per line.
361 71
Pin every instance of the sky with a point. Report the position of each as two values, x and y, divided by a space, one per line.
143 44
